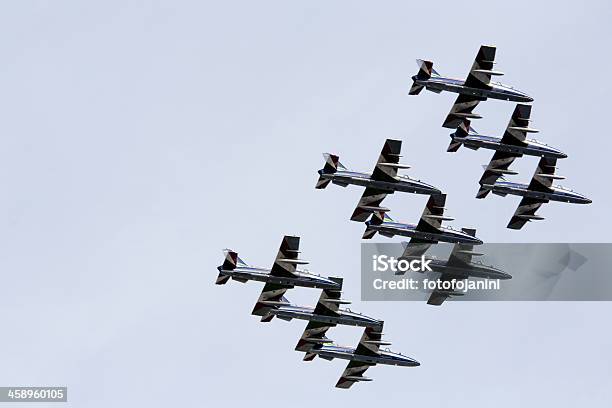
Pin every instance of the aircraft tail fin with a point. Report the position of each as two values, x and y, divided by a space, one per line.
463 130
378 217
332 164
231 261
426 71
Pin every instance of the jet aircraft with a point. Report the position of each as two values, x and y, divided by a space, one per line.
284 272
273 303
539 191
477 87
314 342
513 143
382 181
458 266
428 230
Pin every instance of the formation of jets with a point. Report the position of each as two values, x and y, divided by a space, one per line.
384 180
327 313
513 143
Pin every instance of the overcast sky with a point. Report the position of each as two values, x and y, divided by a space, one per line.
138 139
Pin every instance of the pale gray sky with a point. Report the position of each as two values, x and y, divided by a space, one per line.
138 139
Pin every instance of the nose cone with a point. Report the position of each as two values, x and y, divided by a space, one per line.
587 201
504 275
411 362
476 241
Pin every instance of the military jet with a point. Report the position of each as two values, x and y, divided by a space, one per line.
458 266
428 230
477 87
539 191
284 272
382 181
327 310
314 343
513 143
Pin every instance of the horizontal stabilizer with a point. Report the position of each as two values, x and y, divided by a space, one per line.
309 356
325 357
241 280
453 146
415 89
267 318
483 191
222 279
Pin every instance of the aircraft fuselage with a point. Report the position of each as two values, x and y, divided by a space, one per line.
403 183
531 148
557 193
348 353
473 269
303 279
495 91
344 317
410 230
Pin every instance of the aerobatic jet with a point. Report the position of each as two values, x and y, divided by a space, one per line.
273 303
477 87
284 272
314 343
539 191
382 181
458 266
513 143
428 230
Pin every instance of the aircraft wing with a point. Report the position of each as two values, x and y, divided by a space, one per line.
369 203
526 212
462 254
369 345
286 261
415 248
518 127
438 297
544 175
370 341
353 373
461 110
433 214
482 69
388 162
330 301
497 167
